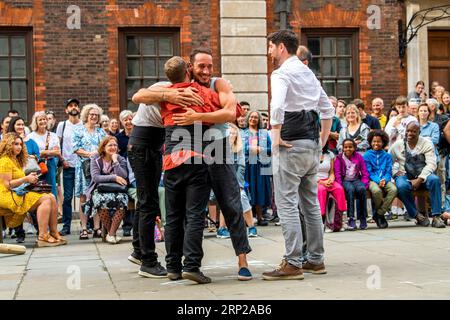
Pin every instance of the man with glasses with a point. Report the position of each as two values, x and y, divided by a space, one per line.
65 131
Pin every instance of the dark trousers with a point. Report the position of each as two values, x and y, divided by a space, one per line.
146 162
128 220
224 183
69 184
355 190
187 195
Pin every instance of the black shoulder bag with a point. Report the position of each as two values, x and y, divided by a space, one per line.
413 164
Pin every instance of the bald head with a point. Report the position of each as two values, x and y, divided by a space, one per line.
304 55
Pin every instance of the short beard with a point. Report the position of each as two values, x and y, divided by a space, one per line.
74 113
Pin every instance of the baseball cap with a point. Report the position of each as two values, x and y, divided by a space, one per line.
72 100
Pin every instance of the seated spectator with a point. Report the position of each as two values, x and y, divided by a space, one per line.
396 126
355 130
391 113
429 129
371 121
351 173
4 126
379 167
440 119
439 92
114 127
340 111
416 163
108 166
418 95
104 123
446 102
335 129
13 158
377 111
413 108
326 184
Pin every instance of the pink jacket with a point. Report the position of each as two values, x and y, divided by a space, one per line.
340 169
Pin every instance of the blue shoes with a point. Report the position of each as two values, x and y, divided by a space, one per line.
363 224
252 233
244 274
223 233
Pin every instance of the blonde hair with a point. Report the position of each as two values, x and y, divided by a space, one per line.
87 108
237 144
6 149
355 108
34 120
104 118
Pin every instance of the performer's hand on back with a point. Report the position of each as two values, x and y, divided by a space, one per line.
185 97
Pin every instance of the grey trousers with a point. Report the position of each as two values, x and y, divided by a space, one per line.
295 182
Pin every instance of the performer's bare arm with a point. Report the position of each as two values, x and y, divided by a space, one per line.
182 97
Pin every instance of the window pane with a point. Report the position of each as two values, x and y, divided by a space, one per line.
133 46
329 46
4 107
329 67
19 89
133 68
149 82
148 46
329 87
162 74
4 90
18 67
165 46
4 68
150 68
343 46
4 46
18 46
345 67
132 87
21 107
344 88
315 67
131 106
314 46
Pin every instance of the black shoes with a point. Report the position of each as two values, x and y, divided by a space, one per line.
174 276
134 258
198 277
422 220
64 232
127 233
156 271
380 221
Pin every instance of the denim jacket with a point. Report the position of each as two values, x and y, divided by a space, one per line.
264 142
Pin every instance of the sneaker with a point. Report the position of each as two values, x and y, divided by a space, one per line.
156 271
134 258
278 224
63 232
223 233
126 233
244 274
174 276
422 220
351 224
111 239
328 230
21 238
275 219
363 224
437 222
285 271
309 267
262 223
13 234
381 221
252 233
198 277
31 230
406 217
118 239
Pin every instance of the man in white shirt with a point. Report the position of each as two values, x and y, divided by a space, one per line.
396 127
64 131
297 99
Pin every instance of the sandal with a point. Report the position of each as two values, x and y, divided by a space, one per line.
84 235
47 241
58 237
97 233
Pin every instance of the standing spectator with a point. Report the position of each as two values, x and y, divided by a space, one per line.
265 120
108 166
258 148
418 94
371 121
429 129
5 124
326 185
104 123
355 130
51 121
351 172
379 167
65 131
114 127
417 162
241 123
377 111
123 137
396 126
340 111
13 158
49 148
245 108
85 142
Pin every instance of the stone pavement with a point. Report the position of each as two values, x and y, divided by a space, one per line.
401 262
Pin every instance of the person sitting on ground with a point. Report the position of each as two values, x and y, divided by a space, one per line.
372 122
108 167
377 111
416 163
429 129
413 108
396 126
379 166
351 173
355 130
13 158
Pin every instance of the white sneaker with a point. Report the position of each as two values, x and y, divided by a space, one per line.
118 239
111 239
30 229
328 230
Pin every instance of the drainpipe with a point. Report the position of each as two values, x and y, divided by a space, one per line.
283 9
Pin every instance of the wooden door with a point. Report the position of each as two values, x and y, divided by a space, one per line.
439 57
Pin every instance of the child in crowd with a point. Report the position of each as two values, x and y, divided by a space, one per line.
327 185
379 167
351 172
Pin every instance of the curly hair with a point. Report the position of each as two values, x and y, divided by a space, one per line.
6 149
378 133
87 108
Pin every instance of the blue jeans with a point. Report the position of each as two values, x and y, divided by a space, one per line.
69 184
355 190
50 176
405 193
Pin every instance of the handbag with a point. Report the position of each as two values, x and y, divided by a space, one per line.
39 187
111 187
86 167
32 165
414 164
